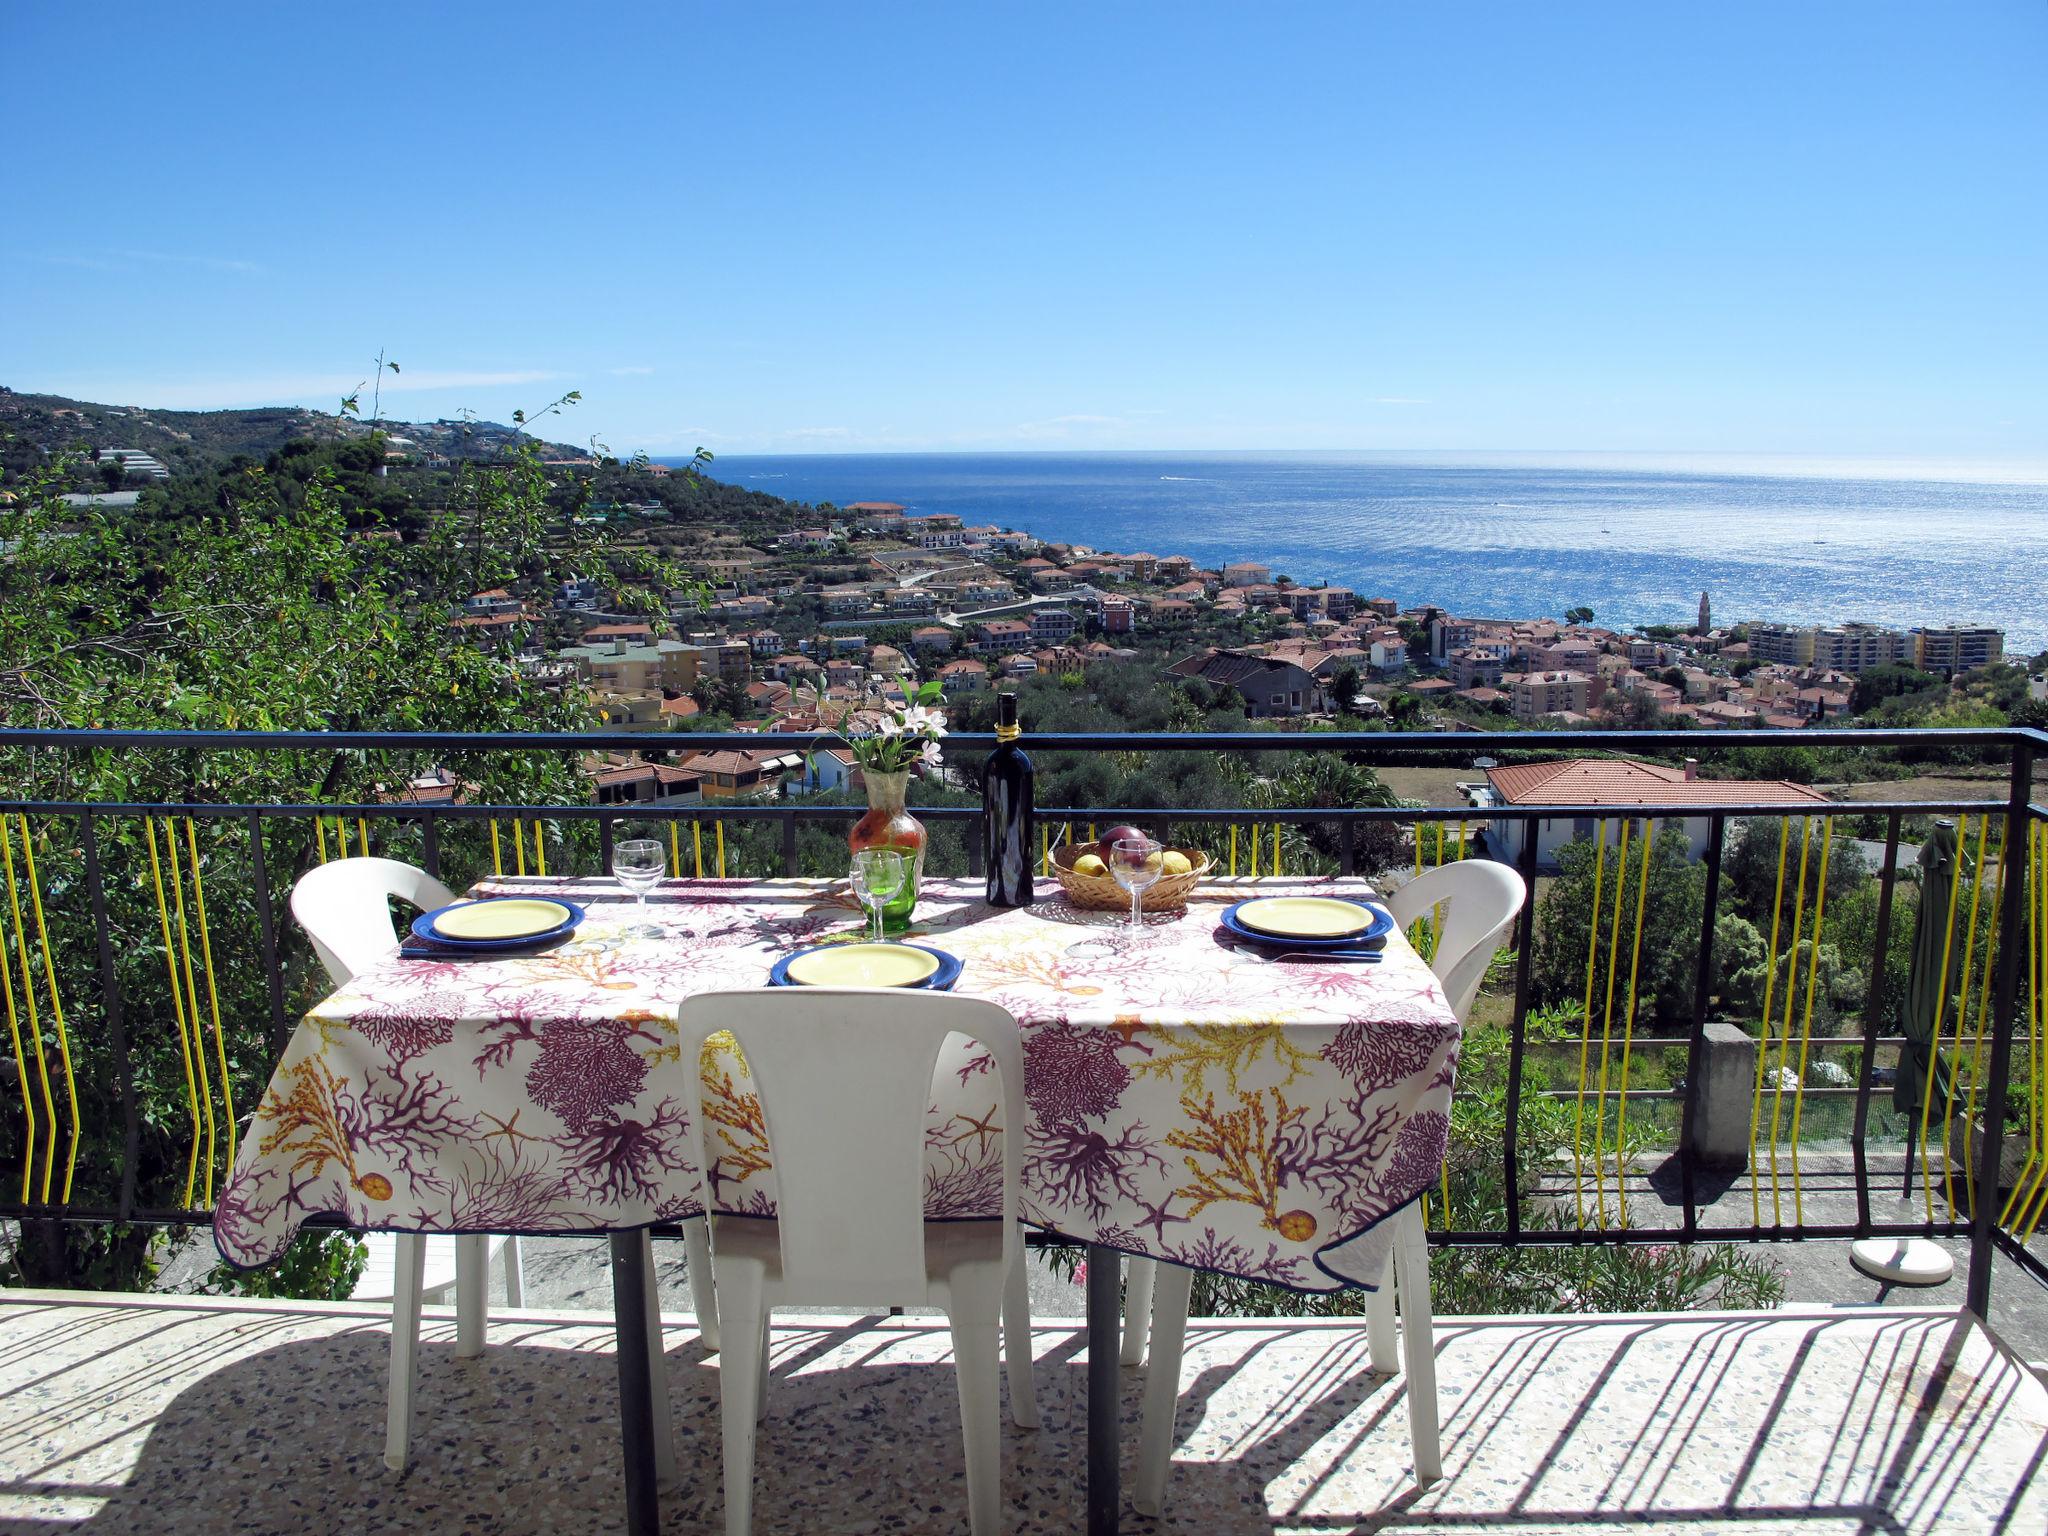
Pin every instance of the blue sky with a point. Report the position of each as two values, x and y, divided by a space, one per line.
1811 228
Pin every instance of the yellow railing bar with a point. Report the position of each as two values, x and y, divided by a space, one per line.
320 832
1255 850
1948 1163
518 847
163 912
35 1029
1233 848
1763 1046
192 1000
2032 1204
1948 941
1628 1035
35 893
362 837
675 852
1439 845
1461 840
540 846
1607 1021
220 1050
1276 848
1586 1025
2030 899
1044 852
1791 1000
718 827
497 852
1983 1013
697 839
28 1106
1820 907
1418 847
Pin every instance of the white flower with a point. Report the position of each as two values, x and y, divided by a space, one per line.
930 755
919 720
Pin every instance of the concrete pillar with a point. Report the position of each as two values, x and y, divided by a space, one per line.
1726 1089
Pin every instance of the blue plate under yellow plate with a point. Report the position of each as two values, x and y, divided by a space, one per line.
899 965
503 918
1373 935
1305 917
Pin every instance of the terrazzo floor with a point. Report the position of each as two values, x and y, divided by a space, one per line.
187 1416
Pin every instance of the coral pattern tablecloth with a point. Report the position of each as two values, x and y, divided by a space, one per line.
1187 1100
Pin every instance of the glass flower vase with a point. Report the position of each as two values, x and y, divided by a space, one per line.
888 824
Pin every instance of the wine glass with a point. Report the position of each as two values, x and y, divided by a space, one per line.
878 874
638 864
1136 863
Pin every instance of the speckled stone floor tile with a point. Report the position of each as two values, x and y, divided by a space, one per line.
187 1417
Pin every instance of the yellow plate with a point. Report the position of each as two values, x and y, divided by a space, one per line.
1305 917
863 965
510 918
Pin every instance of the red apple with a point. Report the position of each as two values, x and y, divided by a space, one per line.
1107 845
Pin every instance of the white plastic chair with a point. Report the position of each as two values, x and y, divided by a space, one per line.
345 908
845 1078
1480 901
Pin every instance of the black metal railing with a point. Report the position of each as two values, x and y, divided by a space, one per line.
105 956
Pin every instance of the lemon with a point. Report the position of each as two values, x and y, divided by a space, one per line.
1176 863
1090 864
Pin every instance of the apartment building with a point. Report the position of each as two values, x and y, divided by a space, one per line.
1537 694
1051 625
1000 637
1958 650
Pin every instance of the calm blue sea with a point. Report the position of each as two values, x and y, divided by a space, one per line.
1635 540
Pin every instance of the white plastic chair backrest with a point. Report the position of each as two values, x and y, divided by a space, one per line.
345 908
845 1080
1480 899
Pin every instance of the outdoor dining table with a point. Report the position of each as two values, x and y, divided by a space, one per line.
1188 1098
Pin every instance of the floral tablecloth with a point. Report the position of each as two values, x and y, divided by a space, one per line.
1187 1100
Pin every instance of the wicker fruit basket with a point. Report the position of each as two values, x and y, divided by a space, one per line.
1101 893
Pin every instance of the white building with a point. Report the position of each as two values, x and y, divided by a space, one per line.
1667 796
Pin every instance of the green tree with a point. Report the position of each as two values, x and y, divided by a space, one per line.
263 611
1891 681
1568 921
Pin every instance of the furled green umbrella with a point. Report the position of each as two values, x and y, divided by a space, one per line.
1921 1008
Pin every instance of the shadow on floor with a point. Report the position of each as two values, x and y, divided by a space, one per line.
1884 1424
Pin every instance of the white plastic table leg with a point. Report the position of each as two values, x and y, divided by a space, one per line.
761 1374
1170 1286
515 1275
410 1270
1382 1342
1017 1343
472 1304
703 1293
1418 1343
1137 1308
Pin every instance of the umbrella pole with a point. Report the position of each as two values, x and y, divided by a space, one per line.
1906 1182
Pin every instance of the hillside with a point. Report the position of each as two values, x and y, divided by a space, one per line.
190 442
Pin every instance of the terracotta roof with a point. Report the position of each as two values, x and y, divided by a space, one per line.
1605 781
633 773
740 762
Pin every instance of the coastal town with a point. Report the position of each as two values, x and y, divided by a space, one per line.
809 626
